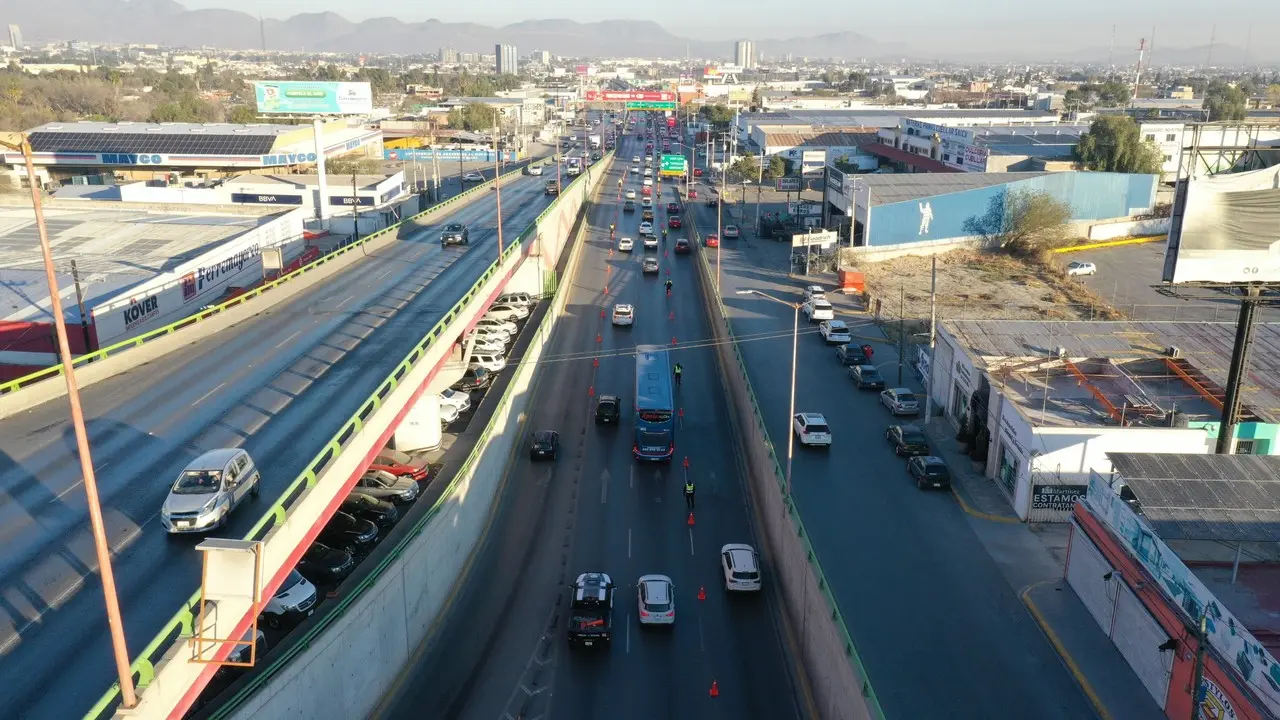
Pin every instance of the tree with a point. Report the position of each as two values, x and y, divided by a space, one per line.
1273 94
776 168
744 168
1113 143
717 115
845 165
352 165
757 100
473 117
1224 102
242 115
1024 222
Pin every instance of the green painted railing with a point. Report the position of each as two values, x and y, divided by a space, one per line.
56 370
873 703
182 623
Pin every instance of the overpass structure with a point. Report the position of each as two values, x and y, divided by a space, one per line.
309 375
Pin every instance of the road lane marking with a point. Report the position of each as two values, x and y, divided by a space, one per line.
628 542
344 302
628 632
206 395
691 540
604 486
388 272
701 642
632 477
294 335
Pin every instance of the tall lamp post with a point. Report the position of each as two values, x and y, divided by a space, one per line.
795 338
497 183
115 623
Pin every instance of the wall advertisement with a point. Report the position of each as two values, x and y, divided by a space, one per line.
629 96
467 154
1057 498
1225 229
313 98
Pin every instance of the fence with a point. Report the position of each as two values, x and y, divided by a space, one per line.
181 625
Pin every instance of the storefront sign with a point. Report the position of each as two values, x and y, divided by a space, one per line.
924 129
1060 498
133 159
1216 705
256 199
835 180
348 201
288 159
788 184
629 96
140 311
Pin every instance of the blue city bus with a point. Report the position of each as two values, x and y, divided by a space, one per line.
655 437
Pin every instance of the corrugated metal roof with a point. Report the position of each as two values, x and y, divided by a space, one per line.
1205 345
903 187
1228 498
819 138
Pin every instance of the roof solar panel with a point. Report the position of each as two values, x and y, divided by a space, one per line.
159 143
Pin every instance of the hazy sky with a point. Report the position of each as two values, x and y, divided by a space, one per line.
921 23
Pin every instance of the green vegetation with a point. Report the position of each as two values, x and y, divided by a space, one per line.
1111 93
1023 222
476 117
718 115
1225 102
1114 144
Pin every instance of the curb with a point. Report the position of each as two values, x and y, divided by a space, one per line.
1056 642
1110 243
969 510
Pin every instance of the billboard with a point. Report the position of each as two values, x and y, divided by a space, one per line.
788 184
1225 229
313 98
629 96
820 239
674 165
651 105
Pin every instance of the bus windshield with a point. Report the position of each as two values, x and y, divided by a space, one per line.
654 425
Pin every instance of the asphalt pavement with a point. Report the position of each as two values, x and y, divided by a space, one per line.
502 644
940 629
279 384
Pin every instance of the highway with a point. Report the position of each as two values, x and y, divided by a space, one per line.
501 647
279 384
940 629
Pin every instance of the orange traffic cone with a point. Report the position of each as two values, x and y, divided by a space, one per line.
715 689
671 315
691 518
702 593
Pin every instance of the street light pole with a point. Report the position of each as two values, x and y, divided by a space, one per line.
102 550
795 346
497 184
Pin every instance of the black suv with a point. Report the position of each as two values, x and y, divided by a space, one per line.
455 234
929 471
866 377
475 378
907 440
551 187
350 533
545 445
608 410
852 355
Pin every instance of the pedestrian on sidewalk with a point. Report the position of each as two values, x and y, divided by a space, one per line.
688 494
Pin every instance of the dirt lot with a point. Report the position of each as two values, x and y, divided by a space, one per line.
977 285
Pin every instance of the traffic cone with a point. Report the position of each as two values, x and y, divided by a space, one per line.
591 391
606 289
691 519
598 338
595 362
673 339
686 462
702 593
601 312
671 315
715 689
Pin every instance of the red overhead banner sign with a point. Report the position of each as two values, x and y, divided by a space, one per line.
629 96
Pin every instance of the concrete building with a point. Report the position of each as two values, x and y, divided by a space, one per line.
506 59
812 148
15 37
541 56
448 55
985 149
891 117
744 54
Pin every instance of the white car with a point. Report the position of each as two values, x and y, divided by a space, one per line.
623 314
731 231
208 489
811 429
456 399
648 172
650 242
635 169
295 600
648 182
646 228
448 413
1081 268
741 567
473 177
626 245
535 169
656 597
507 312
492 363
651 265
523 299
900 401
819 309
630 195
646 202
814 291
635 159
503 325
835 332
487 343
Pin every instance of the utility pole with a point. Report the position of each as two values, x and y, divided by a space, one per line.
497 183
933 338
759 191
902 332
84 314
355 207
1197 684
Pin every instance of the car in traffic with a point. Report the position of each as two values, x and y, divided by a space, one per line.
646 191
674 222
348 532
929 471
629 206
834 332
382 485
740 566
293 601
812 292
866 377
908 440
473 177
1080 267
673 207
648 171
323 565
693 194
635 169
635 159
650 242
455 234
208 489
811 429
697 172
851 355
646 228
608 410
646 215
379 512
646 203
630 194
551 187
544 445
711 240
656 600
591 610
731 231
647 182
534 170
900 401
682 246
650 265
623 314
626 244
474 378
818 309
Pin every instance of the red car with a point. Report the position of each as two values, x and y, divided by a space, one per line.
673 207
683 246
713 241
693 194
648 147
409 471
646 191
674 223
697 172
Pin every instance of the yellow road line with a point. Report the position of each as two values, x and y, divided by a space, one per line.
969 510
1062 650
1111 243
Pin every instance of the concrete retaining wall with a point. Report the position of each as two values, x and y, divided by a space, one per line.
1112 230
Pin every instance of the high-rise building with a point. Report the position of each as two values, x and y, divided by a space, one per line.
506 57
15 37
744 52
448 55
541 56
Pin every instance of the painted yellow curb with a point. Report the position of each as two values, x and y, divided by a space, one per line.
969 510
1110 243
1062 650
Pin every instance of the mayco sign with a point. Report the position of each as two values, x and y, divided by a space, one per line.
629 96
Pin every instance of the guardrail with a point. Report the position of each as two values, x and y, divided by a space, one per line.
56 370
182 623
779 476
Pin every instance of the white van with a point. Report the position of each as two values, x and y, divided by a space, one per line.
492 363
208 489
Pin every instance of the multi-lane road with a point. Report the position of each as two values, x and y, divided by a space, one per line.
278 384
502 646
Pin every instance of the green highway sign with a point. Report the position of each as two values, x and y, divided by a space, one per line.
651 106
673 165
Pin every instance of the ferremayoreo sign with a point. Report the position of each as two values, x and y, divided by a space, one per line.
174 295
312 98
629 96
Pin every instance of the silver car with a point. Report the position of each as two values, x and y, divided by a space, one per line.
208 489
385 486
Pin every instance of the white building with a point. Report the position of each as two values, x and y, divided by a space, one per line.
15 37
505 56
813 147
744 54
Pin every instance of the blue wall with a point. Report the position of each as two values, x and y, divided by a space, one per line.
1091 195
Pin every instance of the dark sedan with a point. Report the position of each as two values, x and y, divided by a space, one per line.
379 512
323 565
866 377
608 410
349 533
673 207
929 472
851 355
475 378
907 440
545 445
683 246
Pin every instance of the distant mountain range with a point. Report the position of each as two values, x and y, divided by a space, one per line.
170 24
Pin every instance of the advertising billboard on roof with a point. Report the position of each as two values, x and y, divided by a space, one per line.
629 96
313 98
1225 229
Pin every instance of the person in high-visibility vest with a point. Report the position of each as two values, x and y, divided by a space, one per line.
688 494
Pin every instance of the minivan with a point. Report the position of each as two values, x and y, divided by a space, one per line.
208 489
492 363
518 298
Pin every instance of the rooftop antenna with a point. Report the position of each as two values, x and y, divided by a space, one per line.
1137 78
1213 35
